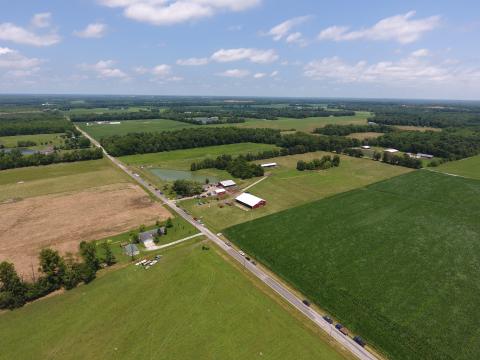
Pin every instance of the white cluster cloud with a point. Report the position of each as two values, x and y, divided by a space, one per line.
253 55
193 61
284 31
20 35
415 69
95 31
168 12
41 20
161 72
105 69
17 65
401 28
242 73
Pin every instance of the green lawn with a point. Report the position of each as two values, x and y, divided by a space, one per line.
288 187
57 178
129 126
191 305
469 167
42 140
396 262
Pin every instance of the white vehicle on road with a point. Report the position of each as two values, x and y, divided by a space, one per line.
241 253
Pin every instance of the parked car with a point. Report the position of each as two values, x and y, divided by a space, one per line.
253 262
306 302
241 253
228 244
359 341
247 258
338 326
327 319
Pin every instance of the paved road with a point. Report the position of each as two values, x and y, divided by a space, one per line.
274 284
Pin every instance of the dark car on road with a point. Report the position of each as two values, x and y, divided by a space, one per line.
306 302
359 341
342 329
327 319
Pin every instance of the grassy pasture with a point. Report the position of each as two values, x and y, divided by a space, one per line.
469 167
365 136
416 128
130 126
287 187
191 305
49 139
57 178
396 262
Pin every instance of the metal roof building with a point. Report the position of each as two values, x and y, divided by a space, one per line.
227 183
250 200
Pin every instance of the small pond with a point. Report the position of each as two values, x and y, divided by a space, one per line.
24 151
172 175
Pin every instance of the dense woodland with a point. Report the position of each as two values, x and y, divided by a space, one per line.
33 123
238 167
344 130
15 159
141 143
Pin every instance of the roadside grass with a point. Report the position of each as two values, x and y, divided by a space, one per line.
180 230
469 167
132 126
45 139
191 305
57 178
396 261
365 136
287 187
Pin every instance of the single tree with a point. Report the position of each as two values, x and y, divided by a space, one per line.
109 257
169 223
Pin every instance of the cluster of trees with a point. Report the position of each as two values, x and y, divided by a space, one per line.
56 272
15 159
451 144
400 160
140 143
33 123
187 187
76 142
421 116
300 143
326 162
344 130
238 167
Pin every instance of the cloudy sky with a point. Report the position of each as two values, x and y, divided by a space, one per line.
355 48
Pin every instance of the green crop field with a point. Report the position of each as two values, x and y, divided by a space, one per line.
57 178
131 126
469 167
307 124
396 262
287 187
191 305
45 139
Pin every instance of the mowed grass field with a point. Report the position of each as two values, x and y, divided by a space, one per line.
182 159
469 167
57 178
46 139
396 262
286 187
191 305
132 126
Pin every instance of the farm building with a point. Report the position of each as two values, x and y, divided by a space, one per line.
227 183
149 235
424 156
250 201
269 165
131 250
366 147
220 192
391 151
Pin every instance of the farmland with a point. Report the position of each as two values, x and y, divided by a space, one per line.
40 139
395 261
191 305
129 126
286 187
469 167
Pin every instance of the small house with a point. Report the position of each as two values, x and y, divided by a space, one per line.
227 184
131 250
366 147
391 151
220 192
269 165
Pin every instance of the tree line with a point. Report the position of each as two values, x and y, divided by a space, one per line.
15 158
439 118
344 130
326 162
33 123
56 272
141 143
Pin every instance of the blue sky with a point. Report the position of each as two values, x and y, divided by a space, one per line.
406 49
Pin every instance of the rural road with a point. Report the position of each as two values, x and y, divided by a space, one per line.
266 278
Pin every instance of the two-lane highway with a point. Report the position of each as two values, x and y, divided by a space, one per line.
265 277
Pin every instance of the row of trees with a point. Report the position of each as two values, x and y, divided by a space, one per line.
326 162
33 123
400 160
238 167
449 144
15 158
344 130
57 272
140 143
